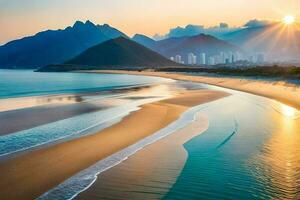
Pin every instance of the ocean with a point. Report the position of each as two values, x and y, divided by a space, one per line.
249 151
24 83
103 102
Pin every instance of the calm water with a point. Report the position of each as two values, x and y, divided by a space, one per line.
250 151
19 83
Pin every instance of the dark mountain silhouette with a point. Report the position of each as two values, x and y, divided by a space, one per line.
116 53
54 46
196 44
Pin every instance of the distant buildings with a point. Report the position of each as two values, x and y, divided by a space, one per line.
223 58
257 58
211 60
178 59
192 59
202 59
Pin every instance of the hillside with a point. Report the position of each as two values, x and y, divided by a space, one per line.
114 54
54 46
196 44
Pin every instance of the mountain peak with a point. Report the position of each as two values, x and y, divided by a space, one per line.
89 23
30 52
78 24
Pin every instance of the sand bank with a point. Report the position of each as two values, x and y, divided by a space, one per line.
28 102
279 90
30 175
151 172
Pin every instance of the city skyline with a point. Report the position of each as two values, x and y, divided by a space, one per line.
32 16
221 58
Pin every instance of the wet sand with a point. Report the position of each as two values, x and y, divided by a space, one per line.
23 119
279 90
40 110
28 102
150 178
30 175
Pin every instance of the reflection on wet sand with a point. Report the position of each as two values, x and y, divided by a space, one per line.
150 178
277 167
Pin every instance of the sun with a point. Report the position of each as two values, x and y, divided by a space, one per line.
289 19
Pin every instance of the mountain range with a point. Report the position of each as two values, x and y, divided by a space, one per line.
275 40
54 46
118 53
184 45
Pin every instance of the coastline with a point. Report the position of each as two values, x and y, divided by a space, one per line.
151 178
66 159
286 93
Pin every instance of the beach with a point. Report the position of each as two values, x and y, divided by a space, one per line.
49 166
135 177
151 178
284 92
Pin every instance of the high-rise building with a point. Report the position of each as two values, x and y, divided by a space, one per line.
222 57
202 60
178 59
172 58
211 60
192 59
232 58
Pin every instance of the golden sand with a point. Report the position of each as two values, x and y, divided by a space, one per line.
149 173
30 175
284 92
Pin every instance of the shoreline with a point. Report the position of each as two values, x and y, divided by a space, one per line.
66 159
286 93
155 175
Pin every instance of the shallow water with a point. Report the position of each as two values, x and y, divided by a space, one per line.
20 83
111 106
250 151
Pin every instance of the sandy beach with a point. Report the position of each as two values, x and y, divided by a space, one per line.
151 178
46 168
279 90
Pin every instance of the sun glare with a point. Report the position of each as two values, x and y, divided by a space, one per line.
288 111
289 19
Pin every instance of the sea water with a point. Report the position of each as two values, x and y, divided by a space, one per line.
21 83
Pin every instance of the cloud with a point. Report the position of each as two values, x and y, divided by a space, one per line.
217 31
191 30
258 23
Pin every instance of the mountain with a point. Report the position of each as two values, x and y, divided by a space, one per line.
277 41
196 44
144 40
110 32
54 46
114 54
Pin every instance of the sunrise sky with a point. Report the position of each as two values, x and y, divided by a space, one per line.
19 18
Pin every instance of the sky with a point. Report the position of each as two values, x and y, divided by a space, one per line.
19 18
